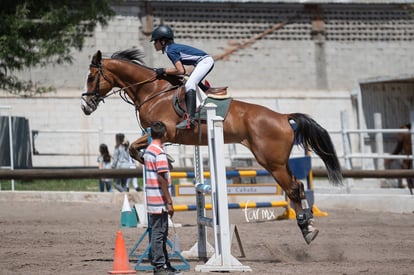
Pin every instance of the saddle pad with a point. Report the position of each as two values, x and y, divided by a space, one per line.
222 108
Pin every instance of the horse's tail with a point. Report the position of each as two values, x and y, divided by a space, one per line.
309 134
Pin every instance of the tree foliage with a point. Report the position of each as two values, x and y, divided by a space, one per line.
43 32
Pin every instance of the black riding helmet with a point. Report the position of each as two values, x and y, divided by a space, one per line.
162 32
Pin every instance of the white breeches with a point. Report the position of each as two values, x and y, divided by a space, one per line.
199 73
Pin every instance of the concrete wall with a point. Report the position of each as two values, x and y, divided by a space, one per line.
64 129
355 42
295 69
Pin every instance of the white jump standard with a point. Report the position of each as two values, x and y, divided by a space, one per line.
222 260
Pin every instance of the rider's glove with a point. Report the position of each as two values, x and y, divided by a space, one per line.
159 71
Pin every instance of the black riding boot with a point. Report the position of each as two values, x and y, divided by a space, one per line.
190 102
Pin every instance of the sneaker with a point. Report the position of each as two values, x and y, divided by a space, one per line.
174 270
161 271
166 271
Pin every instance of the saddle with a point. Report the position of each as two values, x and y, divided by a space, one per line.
216 94
176 80
219 92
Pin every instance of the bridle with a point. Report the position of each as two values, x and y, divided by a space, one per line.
96 96
91 104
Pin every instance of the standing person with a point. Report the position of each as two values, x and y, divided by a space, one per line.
180 55
159 202
104 162
133 165
121 161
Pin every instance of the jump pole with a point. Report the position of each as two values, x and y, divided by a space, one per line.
222 260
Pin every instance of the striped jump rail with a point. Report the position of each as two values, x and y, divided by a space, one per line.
240 205
229 174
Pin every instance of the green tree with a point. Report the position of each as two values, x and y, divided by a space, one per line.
43 32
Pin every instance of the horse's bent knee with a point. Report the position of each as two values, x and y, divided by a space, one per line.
136 154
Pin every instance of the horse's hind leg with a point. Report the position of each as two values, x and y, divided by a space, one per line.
296 192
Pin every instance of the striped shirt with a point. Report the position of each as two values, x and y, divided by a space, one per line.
156 162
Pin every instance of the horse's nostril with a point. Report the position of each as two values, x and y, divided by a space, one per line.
86 110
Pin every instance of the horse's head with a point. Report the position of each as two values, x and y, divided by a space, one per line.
96 87
125 70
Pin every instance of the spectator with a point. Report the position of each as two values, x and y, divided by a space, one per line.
104 162
133 165
121 161
159 201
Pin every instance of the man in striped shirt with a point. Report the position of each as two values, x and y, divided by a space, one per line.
159 202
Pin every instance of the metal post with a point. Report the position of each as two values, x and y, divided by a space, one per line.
345 140
101 131
347 148
361 122
412 137
200 201
379 142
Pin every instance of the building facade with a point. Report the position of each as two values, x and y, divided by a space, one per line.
290 56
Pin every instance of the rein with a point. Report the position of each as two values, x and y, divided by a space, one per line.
155 95
122 90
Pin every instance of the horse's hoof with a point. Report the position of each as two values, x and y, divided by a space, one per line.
311 235
170 158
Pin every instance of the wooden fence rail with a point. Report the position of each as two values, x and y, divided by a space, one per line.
90 173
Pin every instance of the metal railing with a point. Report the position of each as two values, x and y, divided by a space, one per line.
352 151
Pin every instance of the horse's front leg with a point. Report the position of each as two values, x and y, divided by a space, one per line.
135 149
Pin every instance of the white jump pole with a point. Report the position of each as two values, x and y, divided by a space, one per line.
222 260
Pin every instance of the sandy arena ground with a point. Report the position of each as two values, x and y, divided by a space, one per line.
79 238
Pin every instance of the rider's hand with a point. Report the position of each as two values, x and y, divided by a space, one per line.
159 71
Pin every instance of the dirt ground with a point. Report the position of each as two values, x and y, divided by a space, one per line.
79 238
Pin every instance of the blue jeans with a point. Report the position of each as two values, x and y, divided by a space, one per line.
159 226
120 185
103 184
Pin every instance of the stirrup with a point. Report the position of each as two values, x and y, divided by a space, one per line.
187 123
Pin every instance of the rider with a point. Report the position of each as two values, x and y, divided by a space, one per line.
180 55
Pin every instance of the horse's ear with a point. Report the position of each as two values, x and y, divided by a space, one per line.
98 56
96 59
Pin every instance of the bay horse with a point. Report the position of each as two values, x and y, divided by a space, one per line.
269 135
404 146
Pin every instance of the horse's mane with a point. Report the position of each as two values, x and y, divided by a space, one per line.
132 55
135 56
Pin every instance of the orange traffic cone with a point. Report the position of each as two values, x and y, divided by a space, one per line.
121 263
